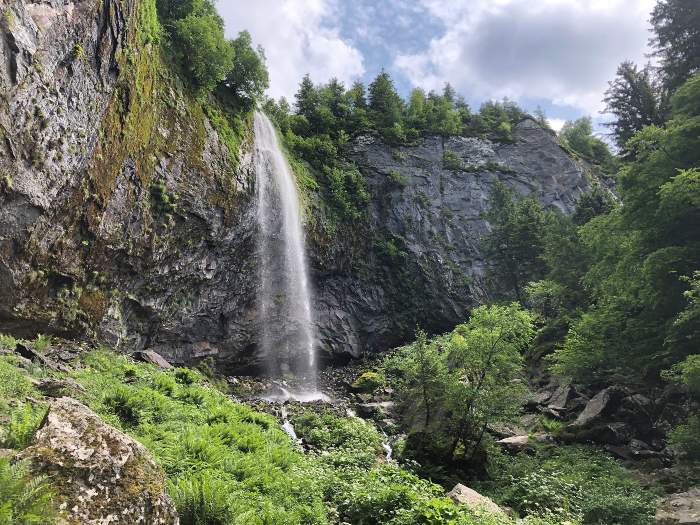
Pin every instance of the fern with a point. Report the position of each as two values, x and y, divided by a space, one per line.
42 342
24 423
7 341
24 499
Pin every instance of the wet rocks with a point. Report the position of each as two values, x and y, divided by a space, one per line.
104 475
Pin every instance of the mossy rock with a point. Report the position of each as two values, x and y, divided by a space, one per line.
368 382
100 474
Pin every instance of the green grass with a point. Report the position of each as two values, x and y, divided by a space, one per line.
229 464
225 463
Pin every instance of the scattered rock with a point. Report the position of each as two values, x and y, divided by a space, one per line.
465 496
150 356
538 398
381 409
55 387
680 509
38 357
602 404
560 397
515 442
105 476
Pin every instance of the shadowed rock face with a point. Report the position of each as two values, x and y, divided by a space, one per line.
95 133
435 218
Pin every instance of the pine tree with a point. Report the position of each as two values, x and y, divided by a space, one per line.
385 104
676 40
634 100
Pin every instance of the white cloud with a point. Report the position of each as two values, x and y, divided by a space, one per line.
561 50
556 123
299 37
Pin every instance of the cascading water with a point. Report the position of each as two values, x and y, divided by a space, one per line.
287 338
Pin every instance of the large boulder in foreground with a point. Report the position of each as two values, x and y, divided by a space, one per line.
463 495
680 509
102 475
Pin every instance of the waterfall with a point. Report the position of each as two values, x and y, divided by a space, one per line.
287 336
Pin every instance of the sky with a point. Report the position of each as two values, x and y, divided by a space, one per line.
555 54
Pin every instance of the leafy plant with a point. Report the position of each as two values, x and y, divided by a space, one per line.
23 424
42 342
7 341
368 382
685 438
397 179
451 160
24 499
78 51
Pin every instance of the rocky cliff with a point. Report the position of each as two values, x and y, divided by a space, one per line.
126 211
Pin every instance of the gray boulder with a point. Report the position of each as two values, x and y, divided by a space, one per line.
600 406
463 495
560 398
515 442
680 509
102 475
149 356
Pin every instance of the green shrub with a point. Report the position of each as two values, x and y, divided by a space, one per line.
685 438
567 482
163 203
24 500
123 403
206 56
397 179
451 160
686 373
368 382
544 492
42 342
551 425
7 341
185 376
203 499
23 424
78 51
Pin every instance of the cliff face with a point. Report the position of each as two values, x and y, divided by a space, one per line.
125 215
431 271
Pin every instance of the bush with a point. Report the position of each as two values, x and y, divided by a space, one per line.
397 179
42 342
7 341
203 499
368 382
544 493
685 438
451 160
570 483
206 56
686 373
24 500
23 424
